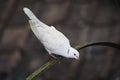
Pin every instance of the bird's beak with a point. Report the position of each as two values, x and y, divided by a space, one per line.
77 57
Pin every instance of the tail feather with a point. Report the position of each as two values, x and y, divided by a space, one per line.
30 14
34 28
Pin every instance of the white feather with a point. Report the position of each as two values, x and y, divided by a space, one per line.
33 17
53 40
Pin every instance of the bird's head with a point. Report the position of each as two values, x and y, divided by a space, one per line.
73 53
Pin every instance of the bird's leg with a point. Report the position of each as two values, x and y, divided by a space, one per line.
57 57
53 56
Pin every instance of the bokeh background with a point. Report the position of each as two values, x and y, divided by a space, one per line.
80 20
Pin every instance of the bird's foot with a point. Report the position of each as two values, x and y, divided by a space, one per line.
57 57
53 56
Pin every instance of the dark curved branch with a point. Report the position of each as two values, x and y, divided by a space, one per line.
108 44
52 62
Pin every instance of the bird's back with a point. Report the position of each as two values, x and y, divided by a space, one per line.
52 39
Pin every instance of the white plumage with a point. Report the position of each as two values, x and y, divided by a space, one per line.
53 40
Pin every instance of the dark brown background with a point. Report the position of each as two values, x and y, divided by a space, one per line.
80 20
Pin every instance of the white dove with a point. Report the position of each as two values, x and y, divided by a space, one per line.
53 40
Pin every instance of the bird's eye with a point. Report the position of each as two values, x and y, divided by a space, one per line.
74 54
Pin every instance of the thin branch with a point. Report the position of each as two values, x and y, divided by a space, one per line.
52 62
108 44
42 69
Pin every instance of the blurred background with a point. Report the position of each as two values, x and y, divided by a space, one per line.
80 20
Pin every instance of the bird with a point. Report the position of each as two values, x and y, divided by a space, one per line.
54 41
